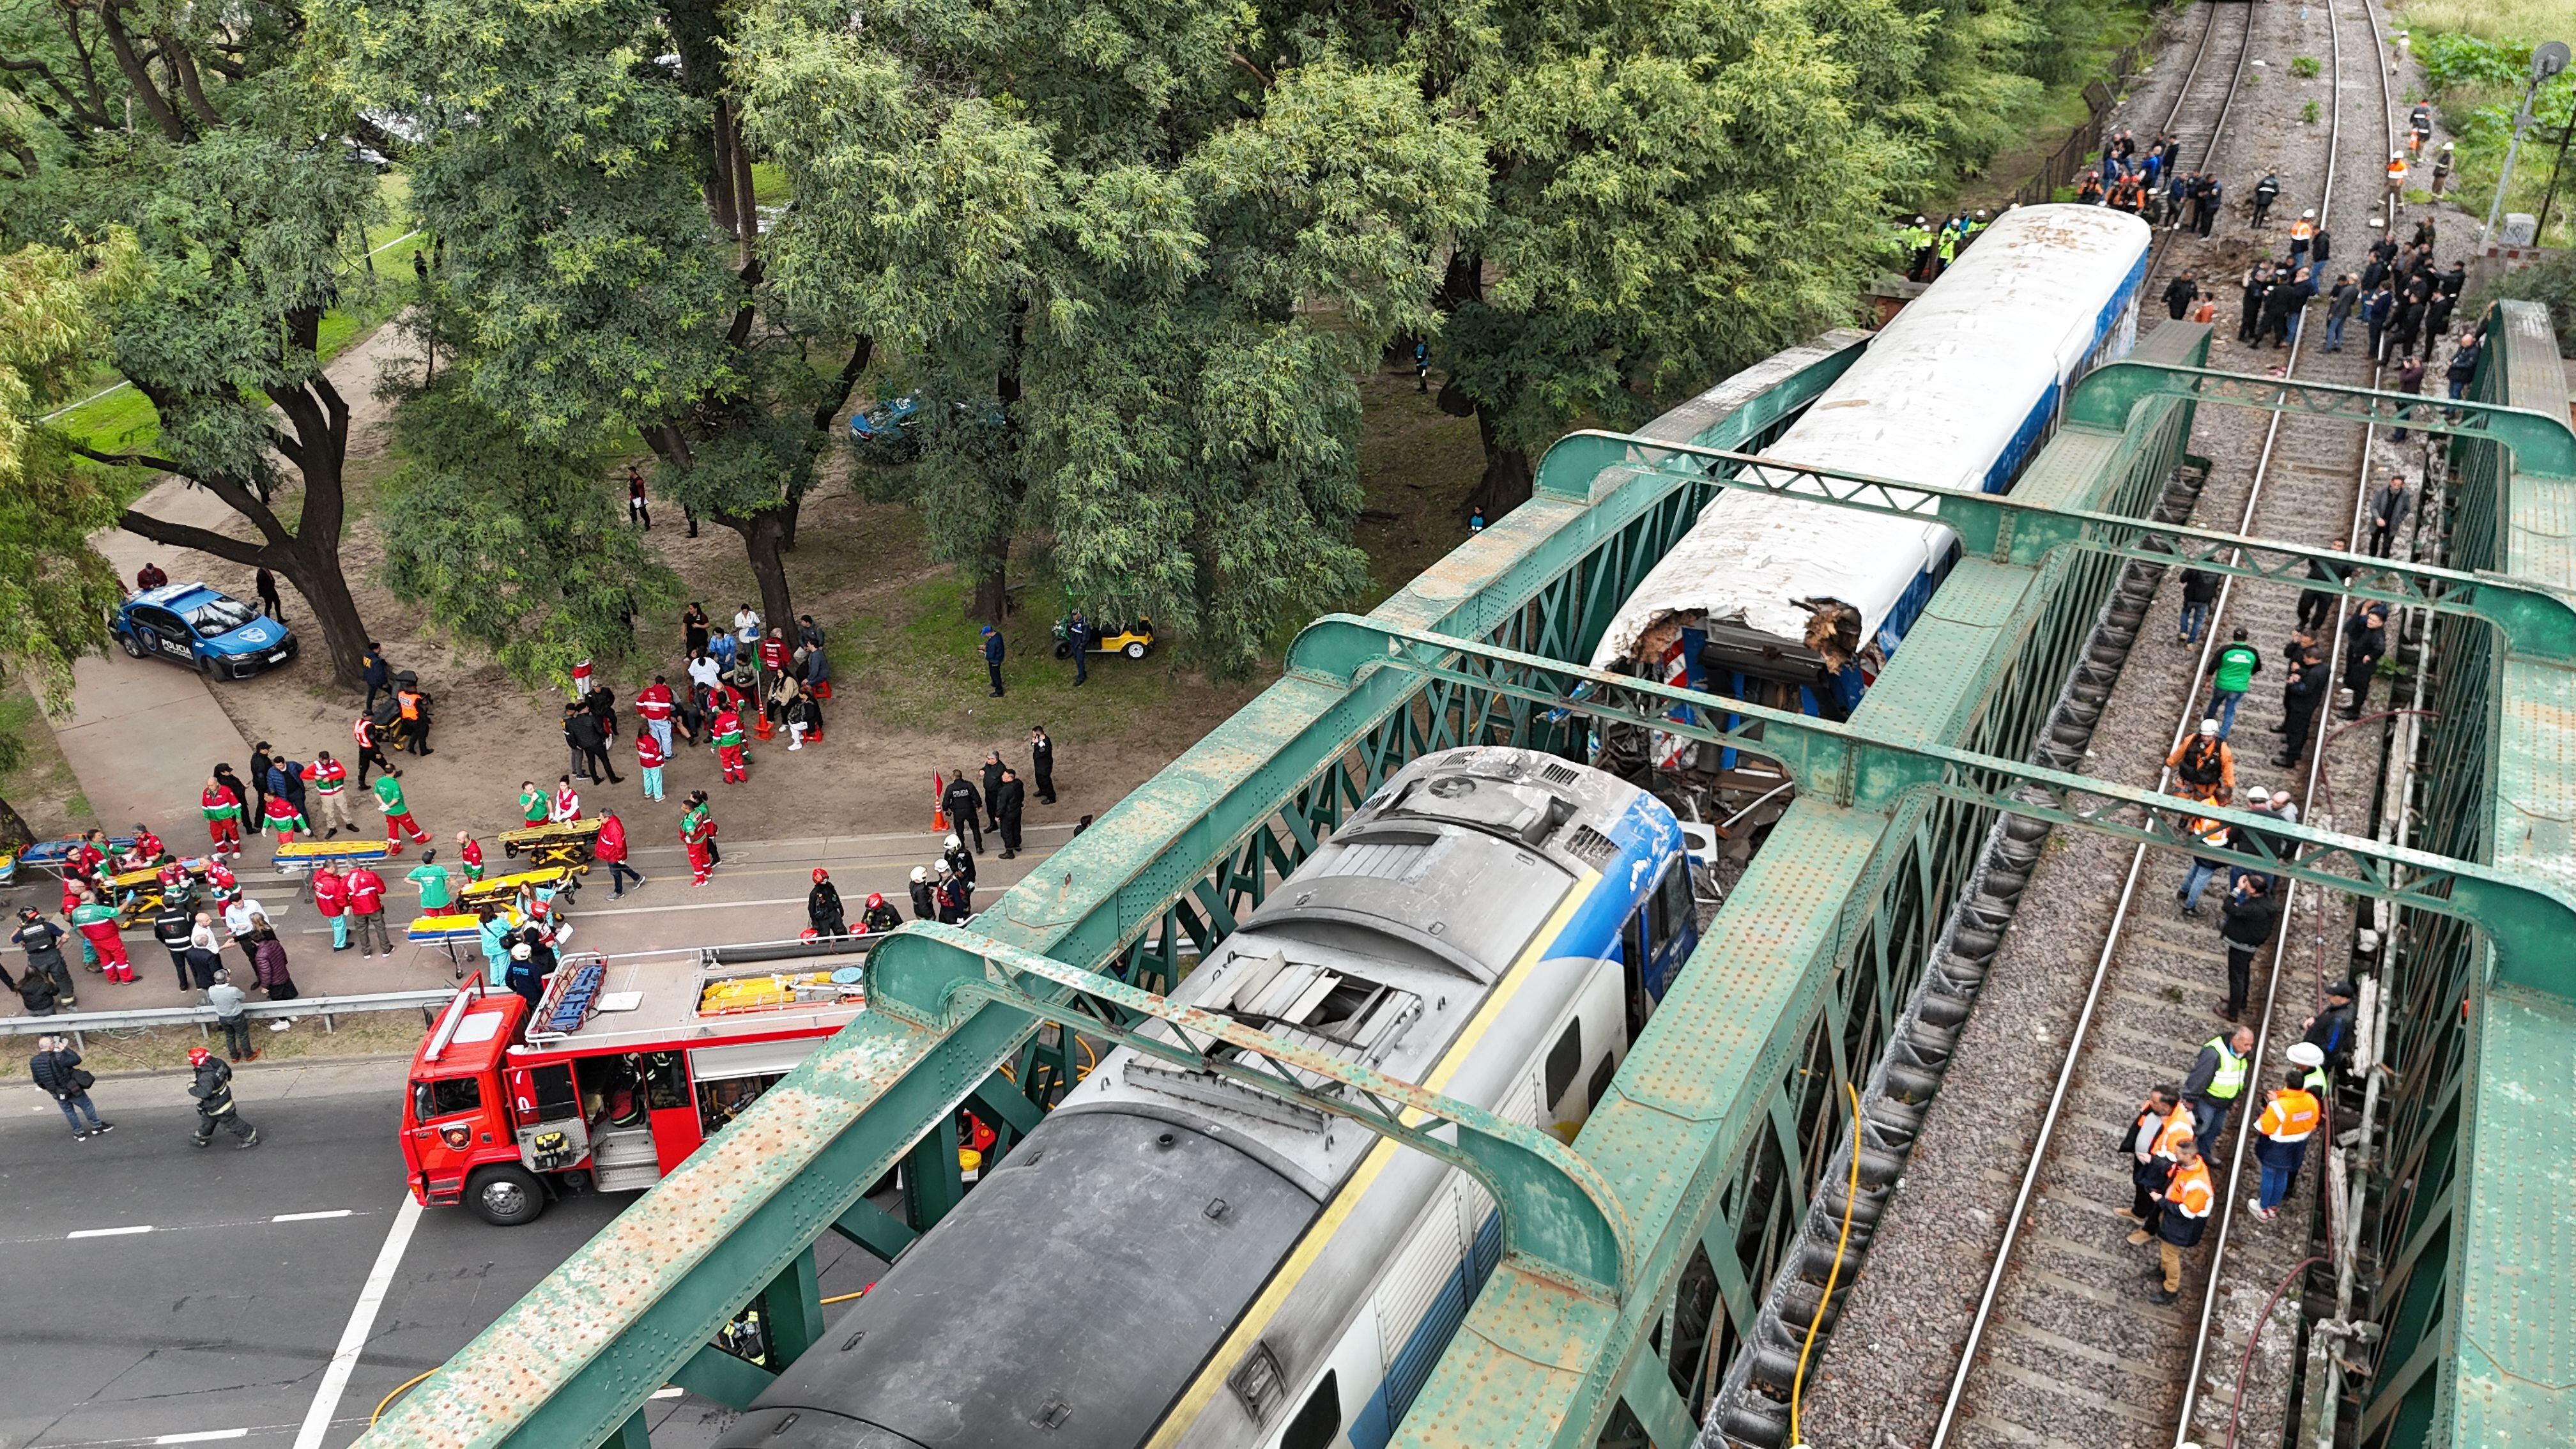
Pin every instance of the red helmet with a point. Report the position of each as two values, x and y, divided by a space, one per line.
808 934
821 875
199 1056
875 899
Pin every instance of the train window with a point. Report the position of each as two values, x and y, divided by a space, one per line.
1601 1079
1320 1421
446 1097
1673 901
1563 1061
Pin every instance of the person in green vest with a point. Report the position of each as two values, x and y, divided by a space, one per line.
2217 1080
2230 677
398 821
437 891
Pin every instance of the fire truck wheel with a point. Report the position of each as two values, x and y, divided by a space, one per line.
506 1196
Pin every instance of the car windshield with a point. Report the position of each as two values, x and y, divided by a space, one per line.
218 617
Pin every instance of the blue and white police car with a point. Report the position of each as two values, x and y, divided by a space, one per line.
205 629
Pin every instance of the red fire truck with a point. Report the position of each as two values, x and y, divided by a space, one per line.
622 1068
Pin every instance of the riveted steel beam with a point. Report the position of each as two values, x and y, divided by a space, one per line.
2529 923
2536 622
1557 1212
2542 445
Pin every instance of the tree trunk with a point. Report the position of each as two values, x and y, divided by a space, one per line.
315 573
992 599
764 536
1506 484
14 833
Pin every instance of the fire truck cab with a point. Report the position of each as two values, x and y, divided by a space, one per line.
616 1075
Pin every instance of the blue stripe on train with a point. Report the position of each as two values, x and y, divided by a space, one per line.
1375 1423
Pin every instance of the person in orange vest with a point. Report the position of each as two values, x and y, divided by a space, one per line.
2146 1171
415 713
2396 172
223 816
2288 1120
363 730
2187 1197
726 735
330 794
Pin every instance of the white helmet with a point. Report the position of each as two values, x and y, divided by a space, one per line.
1919 221
2310 213
920 873
953 841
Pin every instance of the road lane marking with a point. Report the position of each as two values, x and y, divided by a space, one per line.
107 1232
362 1321
202 1436
310 1217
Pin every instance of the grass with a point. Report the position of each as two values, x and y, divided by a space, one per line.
42 787
2527 21
2059 110
165 1048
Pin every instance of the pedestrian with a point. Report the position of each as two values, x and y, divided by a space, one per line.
376 675
42 940
398 821
414 708
2210 832
694 628
2258 282
2396 174
655 705
242 920
367 912
1077 634
2162 1122
2245 923
2376 309
993 658
172 926
1042 762
232 1013
697 835
2463 371
2301 693
149 577
2230 675
36 991
492 934
2442 169
639 510
2279 299
2410 379
2199 593
925 904
205 948
610 850
437 888
2329 1032
2186 1199
95 919
724 735
1009 797
2179 294
565 806
650 755
2213 194
746 629
2289 1118
223 811
57 1070
257 799
284 820
2317 605
965 810
264 584
331 902
2437 320
2346 299
589 747
823 906
2217 1079
2365 641
878 917
2202 765
213 1089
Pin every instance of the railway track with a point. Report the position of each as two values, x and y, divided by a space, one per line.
2064 1334
2207 93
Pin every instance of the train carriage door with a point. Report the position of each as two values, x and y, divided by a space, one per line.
1633 963
1674 926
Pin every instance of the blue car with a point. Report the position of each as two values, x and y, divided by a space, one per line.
886 424
209 631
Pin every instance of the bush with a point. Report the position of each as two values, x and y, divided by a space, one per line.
2308 113
2550 282
2305 67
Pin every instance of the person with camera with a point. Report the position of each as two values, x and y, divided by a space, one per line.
57 1070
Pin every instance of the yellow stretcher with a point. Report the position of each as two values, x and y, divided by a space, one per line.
502 889
568 844
313 854
734 994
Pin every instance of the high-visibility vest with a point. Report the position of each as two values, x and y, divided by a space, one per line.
2209 832
2289 1117
2189 1192
2303 230
410 701
2396 168
2229 1080
2177 1130
2317 1084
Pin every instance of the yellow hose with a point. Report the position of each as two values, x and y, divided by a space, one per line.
1798 1384
399 1390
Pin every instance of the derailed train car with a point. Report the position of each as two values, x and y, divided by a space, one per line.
1171 1259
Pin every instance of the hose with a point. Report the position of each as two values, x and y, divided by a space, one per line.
2254 1335
1798 1383
399 1390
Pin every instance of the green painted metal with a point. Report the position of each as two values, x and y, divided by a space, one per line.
2529 923
2542 444
2536 622
1556 1211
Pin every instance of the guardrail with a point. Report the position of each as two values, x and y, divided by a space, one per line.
75 1023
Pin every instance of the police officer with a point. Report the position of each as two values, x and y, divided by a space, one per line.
965 807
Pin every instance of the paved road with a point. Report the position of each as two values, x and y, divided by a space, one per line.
159 1294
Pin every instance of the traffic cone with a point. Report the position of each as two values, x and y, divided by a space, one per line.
938 792
761 727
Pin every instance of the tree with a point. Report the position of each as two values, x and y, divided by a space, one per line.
512 545
588 173
55 588
247 225
1133 282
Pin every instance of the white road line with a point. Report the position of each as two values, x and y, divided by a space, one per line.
310 1217
202 1436
362 1321
108 1232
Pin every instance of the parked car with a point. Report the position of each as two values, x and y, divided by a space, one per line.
887 425
205 629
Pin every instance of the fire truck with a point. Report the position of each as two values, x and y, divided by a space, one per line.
623 1066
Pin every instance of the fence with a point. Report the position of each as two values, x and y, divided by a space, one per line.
75 1023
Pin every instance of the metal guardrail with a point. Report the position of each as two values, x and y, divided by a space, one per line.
75 1023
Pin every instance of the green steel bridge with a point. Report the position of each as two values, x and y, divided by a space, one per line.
1636 1258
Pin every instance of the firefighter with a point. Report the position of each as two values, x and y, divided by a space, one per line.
2186 1199
330 793
823 904
925 904
213 1089
398 821
879 916
725 735
698 833
958 860
223 816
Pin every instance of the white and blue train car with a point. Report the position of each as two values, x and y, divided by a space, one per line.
1174 1261
1958 392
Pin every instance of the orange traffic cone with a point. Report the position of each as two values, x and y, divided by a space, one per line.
938 792
761 728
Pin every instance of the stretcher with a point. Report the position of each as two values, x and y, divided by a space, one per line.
139 893
309 855
566 844
55 856
502 889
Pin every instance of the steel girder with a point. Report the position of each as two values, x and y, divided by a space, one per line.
2542 445
2528 923
2536 623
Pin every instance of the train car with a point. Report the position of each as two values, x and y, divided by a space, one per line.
1171 1259
1798 604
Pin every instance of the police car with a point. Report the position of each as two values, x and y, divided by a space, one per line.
210 631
